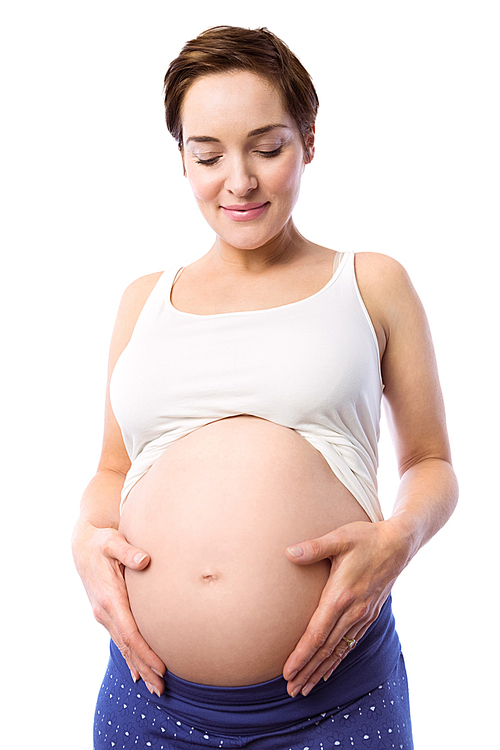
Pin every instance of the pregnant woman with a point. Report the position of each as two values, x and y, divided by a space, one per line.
232 541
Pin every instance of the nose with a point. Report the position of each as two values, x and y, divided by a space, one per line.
240 179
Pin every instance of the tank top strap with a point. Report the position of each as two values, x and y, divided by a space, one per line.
165 283
175 275
339 258
157 302
343 276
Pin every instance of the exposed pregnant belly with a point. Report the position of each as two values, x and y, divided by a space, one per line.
220 602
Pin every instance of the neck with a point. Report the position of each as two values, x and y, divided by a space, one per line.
278 251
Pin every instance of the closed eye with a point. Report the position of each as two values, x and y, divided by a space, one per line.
270 154
214 159
208 162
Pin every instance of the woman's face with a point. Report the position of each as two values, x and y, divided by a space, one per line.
243 156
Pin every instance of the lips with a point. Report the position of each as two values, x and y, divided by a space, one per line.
245 211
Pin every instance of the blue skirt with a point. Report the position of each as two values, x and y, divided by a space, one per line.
364 704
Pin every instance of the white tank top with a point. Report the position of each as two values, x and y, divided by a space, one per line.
311 365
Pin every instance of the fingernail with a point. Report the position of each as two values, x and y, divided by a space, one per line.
296 551
152 689
330 672
140 557
293 675
295 691
307 689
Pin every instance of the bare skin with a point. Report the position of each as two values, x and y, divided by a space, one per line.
265 264
255 486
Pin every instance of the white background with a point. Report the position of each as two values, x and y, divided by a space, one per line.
407 163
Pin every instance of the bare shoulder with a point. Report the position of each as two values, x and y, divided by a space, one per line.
135 295
379 271
389 296
133 300
412 391
385 286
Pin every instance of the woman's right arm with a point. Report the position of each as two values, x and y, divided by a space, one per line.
99 550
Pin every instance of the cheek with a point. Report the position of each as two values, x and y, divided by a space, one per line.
203 184
285 180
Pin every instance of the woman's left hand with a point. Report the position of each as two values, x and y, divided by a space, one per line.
366 559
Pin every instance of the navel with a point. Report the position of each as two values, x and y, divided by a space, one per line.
210 577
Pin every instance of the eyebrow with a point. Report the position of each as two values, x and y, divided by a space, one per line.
252 133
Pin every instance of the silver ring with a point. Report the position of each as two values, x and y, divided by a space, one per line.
350 641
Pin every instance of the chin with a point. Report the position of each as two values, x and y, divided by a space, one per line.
251 238
250 235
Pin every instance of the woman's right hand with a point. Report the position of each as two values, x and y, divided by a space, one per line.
100 557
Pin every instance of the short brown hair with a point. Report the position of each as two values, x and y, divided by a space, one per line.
224 48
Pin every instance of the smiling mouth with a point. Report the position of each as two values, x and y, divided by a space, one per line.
245 211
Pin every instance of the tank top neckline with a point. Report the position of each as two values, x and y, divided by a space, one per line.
336 273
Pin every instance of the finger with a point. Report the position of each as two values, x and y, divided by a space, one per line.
324 656
339 656
313 550
112 610
148 665
353 621
312 673
117 547
328 667
316 635
356 634
141 659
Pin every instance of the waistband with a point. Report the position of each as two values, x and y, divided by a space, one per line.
265 707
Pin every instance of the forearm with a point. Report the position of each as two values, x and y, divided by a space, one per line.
426 498
100 504
368 558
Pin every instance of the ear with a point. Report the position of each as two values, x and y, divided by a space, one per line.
309 145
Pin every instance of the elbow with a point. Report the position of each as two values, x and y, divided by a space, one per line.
441 477
427 459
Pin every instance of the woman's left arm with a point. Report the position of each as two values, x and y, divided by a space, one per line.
367 558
